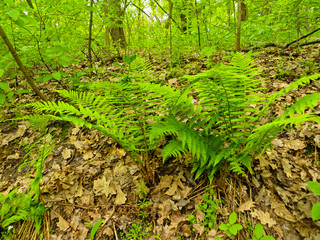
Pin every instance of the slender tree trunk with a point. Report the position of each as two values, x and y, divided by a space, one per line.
90 36
21 66
30 4
238 37
198 24
108 44
170 25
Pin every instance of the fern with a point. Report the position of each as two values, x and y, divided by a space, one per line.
16 206
226 123
123 111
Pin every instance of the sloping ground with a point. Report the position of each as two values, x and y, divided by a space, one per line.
88 177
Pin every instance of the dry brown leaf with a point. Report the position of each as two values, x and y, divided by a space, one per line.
281 211
120 197
83 231
14 156
286 167
264 217
94 215
66 153
63 224
88 155
11 136
199 228
173 189
277 142
246 206
295 144
165 182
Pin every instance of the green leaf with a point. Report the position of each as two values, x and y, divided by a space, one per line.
224 227
10 95
119 65
315 212
235 228
57 76
95 228
4 86
232 218
314 187
258 230
14 14
22 91
1 72
2 98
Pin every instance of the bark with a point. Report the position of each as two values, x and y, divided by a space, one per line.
238 37
30 4
108 44
117 32
90 36
21 66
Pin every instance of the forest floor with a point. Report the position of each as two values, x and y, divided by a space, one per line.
88 177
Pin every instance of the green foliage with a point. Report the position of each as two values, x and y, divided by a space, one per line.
259 233
142 189
5 92
231 227
16 206
121 111
35 155
225 125
315 188
209 206
137 232
95 229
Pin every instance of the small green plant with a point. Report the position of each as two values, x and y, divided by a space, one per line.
209 206
231 227
5 92
315 188
144 213
137 232
259 233
16 206
142 189
95 229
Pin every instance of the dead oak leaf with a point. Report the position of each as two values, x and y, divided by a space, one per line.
264 217
295 144
246 206
120 197
63 224
66 153
281 211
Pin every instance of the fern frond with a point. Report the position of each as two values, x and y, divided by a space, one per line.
295 85
310 100
173 149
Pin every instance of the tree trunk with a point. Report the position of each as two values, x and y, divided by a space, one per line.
169 22
90 36
21 66
238 37
106 12
116 29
